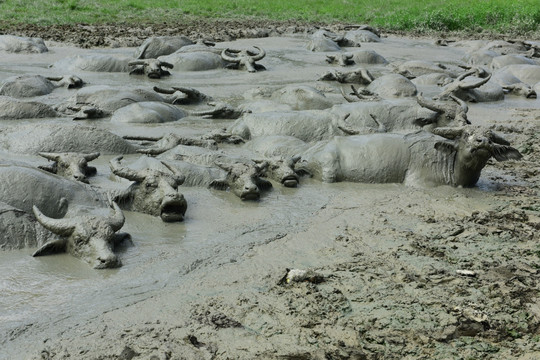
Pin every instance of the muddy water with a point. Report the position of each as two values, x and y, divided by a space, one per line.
47 296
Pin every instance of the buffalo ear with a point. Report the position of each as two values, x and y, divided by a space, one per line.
219 184
446 146
503 153
263 184
51 247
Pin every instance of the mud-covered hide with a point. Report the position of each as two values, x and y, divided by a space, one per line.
281 170
513 84
355 76
528 74
158 145
242 176
194 60
13 109
277 146
108 99
36 138
153 68
421 158
392 86
156 46
196 175
511 59
152 191
314 125
323 41
36 85
19 229
18 44
24 186
302 97
414 68
94 63
480 57
26 86
88 237
440 79
490 91
368 57
148 112
358 36
70 165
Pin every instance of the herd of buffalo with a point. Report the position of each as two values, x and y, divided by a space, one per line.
379 129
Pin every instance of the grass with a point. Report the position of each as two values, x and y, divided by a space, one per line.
515 16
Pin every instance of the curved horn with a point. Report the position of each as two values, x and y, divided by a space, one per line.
260 55
224 166
225 56
166 64
428 104
54 78
348 97
259 167
117 219
62 227
143 50
92 156
50 156
475 84
461 103
498 139
178 178
449 133
137 62
124 172
163 91
293 160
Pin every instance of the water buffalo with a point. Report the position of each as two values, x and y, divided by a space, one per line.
448 156
159 145
70 165
18 44
19 229
324 40
152 192
13 109
33 138
244 59
91 238
243 177
314 125
149 112
94 63
156 46
153 68
22 186
37 85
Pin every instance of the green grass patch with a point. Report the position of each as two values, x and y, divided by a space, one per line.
419 15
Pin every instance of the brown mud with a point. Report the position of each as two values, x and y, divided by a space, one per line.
408 273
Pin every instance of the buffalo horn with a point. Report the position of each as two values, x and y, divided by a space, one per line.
62 227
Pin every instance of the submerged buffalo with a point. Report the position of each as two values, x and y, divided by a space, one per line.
91 238
37 85
152 192
448 156
70 165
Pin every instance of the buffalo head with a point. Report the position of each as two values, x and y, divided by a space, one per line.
282 170
153 192
244 58
244 179
472 148
70 165
90 238
153 68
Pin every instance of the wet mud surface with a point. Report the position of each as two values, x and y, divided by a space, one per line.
404 272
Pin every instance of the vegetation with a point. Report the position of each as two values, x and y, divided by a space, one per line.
516 16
